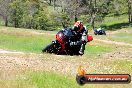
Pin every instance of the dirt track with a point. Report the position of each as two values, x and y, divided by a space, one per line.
12 62
114 42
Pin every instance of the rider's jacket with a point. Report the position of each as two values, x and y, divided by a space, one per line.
72 35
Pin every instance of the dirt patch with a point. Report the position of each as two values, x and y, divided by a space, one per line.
114 42
12 62
7 51
118 55
119 31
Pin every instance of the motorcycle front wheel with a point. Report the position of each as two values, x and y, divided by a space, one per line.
50 49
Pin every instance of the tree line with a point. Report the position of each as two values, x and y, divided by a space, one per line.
52 14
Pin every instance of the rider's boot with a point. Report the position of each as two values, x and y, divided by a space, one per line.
81 52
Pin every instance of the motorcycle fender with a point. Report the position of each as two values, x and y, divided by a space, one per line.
54 42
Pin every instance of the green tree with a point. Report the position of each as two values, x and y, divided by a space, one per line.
96 9
129 11
4 10
29 14
16 13
40 21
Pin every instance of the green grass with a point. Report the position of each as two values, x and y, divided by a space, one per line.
122 37
28 44
97 49
25 40
51 80
124 64
114 22
41 80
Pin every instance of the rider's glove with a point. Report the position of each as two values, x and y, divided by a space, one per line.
84 37
75 43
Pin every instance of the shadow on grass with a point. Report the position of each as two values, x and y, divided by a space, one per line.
118 26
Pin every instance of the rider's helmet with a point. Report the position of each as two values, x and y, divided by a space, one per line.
78 26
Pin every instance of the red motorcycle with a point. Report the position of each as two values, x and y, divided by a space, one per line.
61 45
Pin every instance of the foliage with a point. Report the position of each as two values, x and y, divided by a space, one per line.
16 13
4 10
29 14
55 14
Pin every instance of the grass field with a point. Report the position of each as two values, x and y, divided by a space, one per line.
21 40
32 69
40 80
123 36
27 41
115 20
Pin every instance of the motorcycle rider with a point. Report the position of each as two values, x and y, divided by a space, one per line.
80 36
70 41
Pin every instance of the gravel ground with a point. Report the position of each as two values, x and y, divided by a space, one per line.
19 61
11 61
